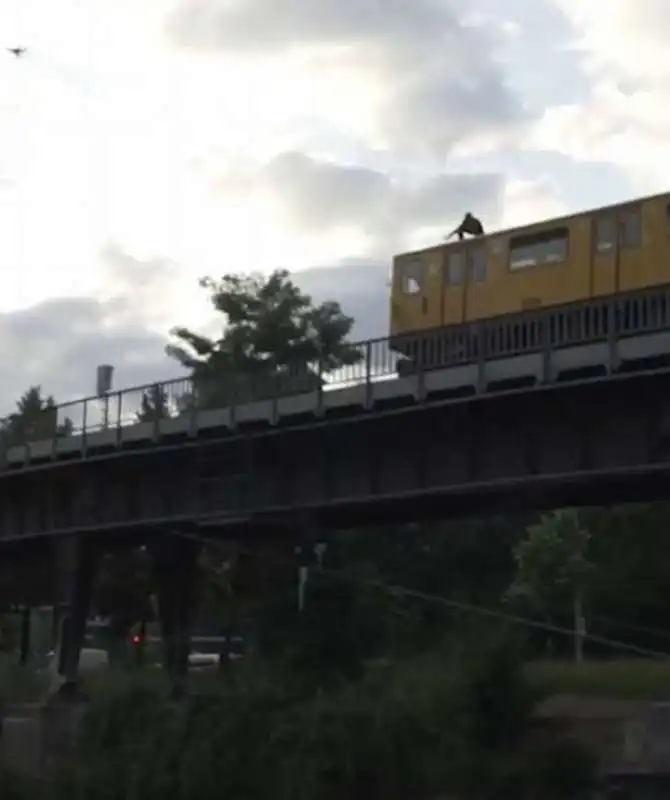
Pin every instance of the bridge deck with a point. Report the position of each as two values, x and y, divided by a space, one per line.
477 377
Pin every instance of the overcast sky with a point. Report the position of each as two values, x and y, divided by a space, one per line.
143 145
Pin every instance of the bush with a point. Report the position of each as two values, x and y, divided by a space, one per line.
419 728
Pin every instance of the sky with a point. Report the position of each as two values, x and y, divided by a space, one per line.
145 145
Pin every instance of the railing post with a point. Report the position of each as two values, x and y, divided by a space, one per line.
545 327
84 426
54 435
26 444
234 397
319 411
612 337
157 391
480 340
368 376
193 410
119 411
3 445
275 391
420 370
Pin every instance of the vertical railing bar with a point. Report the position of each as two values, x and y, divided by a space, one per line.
368 376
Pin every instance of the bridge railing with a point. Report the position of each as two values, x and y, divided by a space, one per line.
597 320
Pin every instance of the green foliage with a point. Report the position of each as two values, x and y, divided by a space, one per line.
274 340
155 405
18 683
341 625
418 728
496 700
620 679
9 632
442 558
123 593
552 561
631 586
35 419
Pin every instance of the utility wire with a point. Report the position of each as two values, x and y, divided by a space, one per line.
405 592
611 622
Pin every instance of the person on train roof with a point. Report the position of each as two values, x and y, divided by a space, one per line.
470 225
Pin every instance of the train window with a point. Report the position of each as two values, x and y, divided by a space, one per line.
412 276
605 239
455 274
547 247
478 264
630 230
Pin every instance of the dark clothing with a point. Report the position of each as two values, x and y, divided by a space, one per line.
470 225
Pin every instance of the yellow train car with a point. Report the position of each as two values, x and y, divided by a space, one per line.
599 252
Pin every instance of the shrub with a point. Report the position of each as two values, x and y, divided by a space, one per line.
417 728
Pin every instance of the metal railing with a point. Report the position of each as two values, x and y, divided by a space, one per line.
602 319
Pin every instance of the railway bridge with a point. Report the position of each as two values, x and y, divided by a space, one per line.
562 406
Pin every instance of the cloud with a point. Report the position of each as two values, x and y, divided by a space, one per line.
526 201
625 118
360 286
416 77
59 343
148 289
317 197
607 42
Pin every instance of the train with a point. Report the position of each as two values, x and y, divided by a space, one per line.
604 251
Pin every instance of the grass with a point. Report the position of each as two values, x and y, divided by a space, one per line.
635 679
641 679
20 684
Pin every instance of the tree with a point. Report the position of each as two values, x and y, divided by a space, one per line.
630 593
553 568
155 405
443 559
274 341
123 591
35 419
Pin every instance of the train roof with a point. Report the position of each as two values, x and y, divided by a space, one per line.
539 224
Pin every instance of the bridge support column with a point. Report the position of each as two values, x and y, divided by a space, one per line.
175 565
76 564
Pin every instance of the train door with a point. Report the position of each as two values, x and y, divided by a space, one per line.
418 306
455 278
604 254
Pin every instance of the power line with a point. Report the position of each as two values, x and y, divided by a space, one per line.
404 591
656 633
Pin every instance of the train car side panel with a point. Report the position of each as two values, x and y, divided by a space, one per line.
644 244
406 291
601 252
547 265
488 259
455 273
604 255
657 247
431 305
635 237
416 291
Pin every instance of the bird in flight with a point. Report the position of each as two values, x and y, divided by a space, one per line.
16 51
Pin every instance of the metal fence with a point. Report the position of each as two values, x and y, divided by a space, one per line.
605 319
